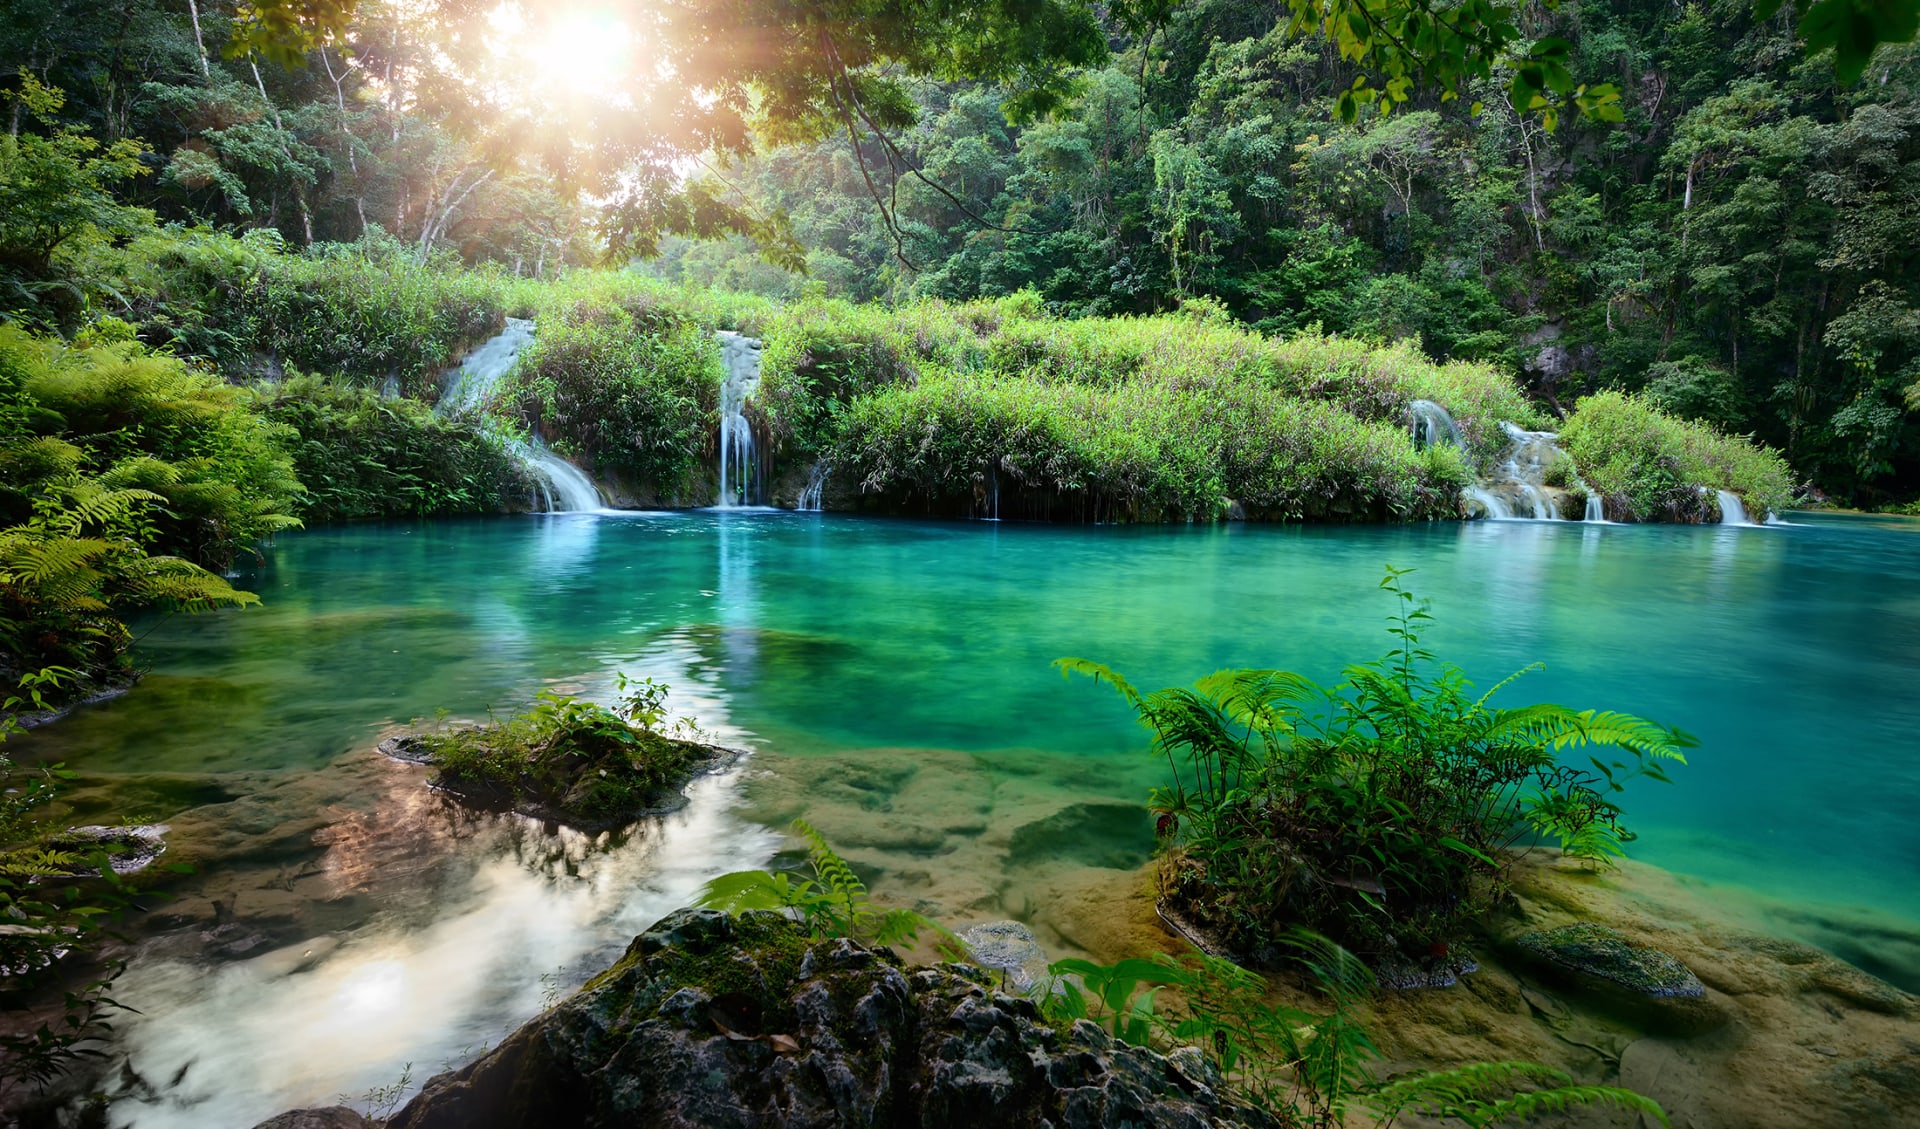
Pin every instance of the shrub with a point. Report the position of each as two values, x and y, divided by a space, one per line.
633 388
360 455
1379 812
1651 466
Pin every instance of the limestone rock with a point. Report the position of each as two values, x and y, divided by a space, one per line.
1642 983
719 1022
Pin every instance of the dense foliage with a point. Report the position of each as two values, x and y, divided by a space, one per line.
1381 811
126 472
623 380
1651 466
360 455
1733 246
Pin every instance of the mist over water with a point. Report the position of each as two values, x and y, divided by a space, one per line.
894 680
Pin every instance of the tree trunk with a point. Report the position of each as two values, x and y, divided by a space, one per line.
206 69
299 194
353 162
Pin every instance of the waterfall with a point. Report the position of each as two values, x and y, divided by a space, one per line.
1731 511
1516 486
481 371
568 488
1433 426
559 485
739 478
816 487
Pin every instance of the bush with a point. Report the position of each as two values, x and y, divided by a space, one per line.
631 387
363 456
1379 812
1652 467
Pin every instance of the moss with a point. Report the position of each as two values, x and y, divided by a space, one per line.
1596 950
566 760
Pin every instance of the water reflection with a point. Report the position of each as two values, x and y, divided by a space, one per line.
488 917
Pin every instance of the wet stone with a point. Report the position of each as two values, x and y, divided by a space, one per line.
1639 982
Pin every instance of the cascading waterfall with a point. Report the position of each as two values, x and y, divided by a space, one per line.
739 472
815 490
569 488
1732 512
480 373
561 487
1516 486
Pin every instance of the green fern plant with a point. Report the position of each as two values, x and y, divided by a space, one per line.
1383 811
834 902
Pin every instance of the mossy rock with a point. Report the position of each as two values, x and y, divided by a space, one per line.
592 792
1638 982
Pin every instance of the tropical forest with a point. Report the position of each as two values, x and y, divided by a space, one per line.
1139 564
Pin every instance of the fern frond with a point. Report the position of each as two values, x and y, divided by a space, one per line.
1099 672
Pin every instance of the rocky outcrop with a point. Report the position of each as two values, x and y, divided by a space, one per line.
332 1117
718 1022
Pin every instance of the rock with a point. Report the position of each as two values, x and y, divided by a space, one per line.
749 1021
129 850
332 1117
1009 948
1641 983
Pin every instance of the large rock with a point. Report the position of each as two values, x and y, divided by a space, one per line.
714 1022
1009 948
1641 983
332 1117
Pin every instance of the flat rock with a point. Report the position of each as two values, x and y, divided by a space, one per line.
129 850
1642 983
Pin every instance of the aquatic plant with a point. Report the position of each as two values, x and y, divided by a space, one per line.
1381 811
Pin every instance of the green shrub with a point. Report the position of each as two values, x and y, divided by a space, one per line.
1651 466
138 419
363 456
1380 812
634 388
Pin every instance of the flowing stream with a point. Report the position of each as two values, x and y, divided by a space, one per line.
562 487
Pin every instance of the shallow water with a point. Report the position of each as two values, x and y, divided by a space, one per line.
894 679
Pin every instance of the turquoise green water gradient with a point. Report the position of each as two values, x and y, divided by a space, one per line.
1789 651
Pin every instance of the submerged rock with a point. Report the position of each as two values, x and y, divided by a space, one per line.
129 850
714 1021
1645 984
1009 948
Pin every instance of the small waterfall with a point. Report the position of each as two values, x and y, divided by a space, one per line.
1731 511
816 487
739 472
480 373
1516 487
567 487
1433 426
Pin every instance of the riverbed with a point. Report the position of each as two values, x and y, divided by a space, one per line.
894 682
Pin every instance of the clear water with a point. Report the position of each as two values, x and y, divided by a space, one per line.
894 680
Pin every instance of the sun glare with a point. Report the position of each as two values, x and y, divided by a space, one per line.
584 50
